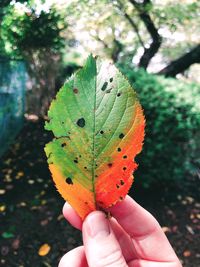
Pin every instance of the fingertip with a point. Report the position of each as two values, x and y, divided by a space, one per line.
71 216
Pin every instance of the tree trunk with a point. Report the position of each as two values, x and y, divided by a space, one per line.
149 53
182 63
42 69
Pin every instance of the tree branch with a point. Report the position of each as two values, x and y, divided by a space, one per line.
182 63
131 21
149 53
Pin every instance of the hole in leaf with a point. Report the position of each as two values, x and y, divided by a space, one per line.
69 180
125 157
81 122
121 135
103 88
111 79
75 90
124 168
63 144
101 132
121 182
118 94
119 149
75 161
117 186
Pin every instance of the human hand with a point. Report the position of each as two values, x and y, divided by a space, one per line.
131 238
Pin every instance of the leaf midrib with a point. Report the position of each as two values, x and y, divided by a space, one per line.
93 137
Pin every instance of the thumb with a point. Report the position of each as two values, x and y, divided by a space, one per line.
101 246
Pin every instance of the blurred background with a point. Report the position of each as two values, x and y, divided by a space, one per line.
156 44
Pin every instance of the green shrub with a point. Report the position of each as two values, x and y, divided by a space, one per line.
172 110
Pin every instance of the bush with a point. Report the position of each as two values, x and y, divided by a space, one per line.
172 113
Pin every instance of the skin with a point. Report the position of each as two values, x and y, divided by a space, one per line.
132 237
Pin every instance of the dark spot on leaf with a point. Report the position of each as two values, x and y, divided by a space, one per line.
49 155
101 132
111 79
118 94
121 135
75 161
109 165
124 168
79 156
119 149
121 198
86 202
75 90
103 88
96 165
121 182
81 122
62 122
96 175
108 91
117 186
63 144
69 180
85 168
125 157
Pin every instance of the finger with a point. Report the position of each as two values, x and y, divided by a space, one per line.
71 216
144 263
124 241
101 246
75 258
147 234
123 238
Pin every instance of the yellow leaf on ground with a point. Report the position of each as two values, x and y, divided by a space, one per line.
2 208
44 250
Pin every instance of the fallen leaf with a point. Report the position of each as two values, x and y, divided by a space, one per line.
31 181
19 175
60 217
2 191
7 235
4 250
15 244
44 222
44 250
2 208
166 229
187 253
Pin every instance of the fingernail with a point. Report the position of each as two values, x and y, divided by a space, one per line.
97 225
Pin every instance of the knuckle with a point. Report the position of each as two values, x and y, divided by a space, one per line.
113 259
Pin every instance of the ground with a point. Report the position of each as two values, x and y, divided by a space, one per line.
31 209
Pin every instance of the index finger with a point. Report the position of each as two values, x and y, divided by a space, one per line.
149 240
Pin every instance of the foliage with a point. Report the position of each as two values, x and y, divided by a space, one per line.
35 35
98 125
172 130
24 30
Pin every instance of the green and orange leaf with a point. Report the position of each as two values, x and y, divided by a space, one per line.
98 124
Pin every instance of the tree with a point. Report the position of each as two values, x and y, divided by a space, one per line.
182 63
36 37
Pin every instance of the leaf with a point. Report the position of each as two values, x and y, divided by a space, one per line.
44 250
98 126
7 235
